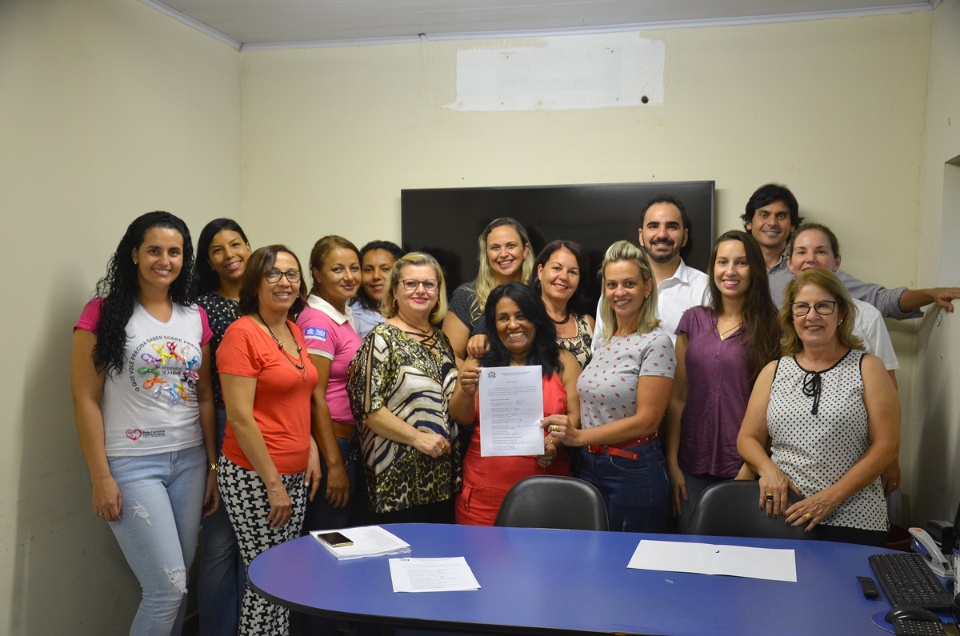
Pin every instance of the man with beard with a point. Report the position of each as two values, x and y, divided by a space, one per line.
663 232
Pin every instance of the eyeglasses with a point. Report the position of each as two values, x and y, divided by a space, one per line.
824 308
411 285
274 275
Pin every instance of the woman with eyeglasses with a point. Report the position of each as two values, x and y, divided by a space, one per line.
269 464
400 385
831 418
222 255
504 256
140 378
721 350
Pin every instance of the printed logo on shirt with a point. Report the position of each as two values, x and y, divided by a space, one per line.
136 433
315 333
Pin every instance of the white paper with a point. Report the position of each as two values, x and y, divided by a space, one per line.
511 407
707 558
367 541
432 575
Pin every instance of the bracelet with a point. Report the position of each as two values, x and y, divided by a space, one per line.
213 467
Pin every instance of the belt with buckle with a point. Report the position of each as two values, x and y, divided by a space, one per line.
617 449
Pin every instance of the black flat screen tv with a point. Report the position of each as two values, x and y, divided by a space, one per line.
445 222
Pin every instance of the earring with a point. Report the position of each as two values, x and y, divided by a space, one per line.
136 262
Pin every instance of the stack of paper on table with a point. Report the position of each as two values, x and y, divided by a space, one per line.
368 541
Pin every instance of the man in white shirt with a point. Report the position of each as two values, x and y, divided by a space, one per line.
663 232
816 246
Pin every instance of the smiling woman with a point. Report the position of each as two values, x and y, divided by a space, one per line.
522 334
504 254
830 416
269 460
140 378
223 252
720 351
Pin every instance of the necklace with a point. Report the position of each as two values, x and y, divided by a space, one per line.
300 364
724 334
428 338
565 320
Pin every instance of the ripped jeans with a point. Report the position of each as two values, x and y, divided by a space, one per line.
157 531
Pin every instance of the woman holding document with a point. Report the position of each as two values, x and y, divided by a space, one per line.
521 334
400 383
624 393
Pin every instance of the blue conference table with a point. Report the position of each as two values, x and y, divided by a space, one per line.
570 581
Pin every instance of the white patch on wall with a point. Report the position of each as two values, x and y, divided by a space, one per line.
563 73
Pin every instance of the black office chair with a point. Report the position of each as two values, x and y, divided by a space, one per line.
731 509
551 501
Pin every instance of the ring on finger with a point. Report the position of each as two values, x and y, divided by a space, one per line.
808 516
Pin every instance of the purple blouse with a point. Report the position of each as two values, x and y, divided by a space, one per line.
718 381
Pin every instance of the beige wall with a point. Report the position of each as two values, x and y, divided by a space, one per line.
331 135
832 108
111 109
935 448
107 110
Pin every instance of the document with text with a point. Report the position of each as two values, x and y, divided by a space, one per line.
708 558
432 575
511 407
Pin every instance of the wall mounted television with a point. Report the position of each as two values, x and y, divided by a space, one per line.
445 222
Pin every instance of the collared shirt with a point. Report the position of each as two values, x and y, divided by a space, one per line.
870 328
687 288
886 300
329 333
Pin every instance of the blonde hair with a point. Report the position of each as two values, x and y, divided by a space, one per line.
647 321
828 282
388 305
485 282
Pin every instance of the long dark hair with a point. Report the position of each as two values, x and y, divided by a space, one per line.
120 287
762 342
363 298
576 302
261 262
206 279
545 351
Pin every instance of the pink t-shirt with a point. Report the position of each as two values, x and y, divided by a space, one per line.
329 333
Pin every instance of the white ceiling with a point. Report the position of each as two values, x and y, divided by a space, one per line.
272 23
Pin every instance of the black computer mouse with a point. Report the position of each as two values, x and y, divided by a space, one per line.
912 612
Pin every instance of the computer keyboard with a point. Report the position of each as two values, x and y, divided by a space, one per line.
907 627
906 580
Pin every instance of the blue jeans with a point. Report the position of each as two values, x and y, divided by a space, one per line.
221 577
157 531
320 515
637 492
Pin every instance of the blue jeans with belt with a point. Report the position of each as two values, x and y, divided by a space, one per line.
636 491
